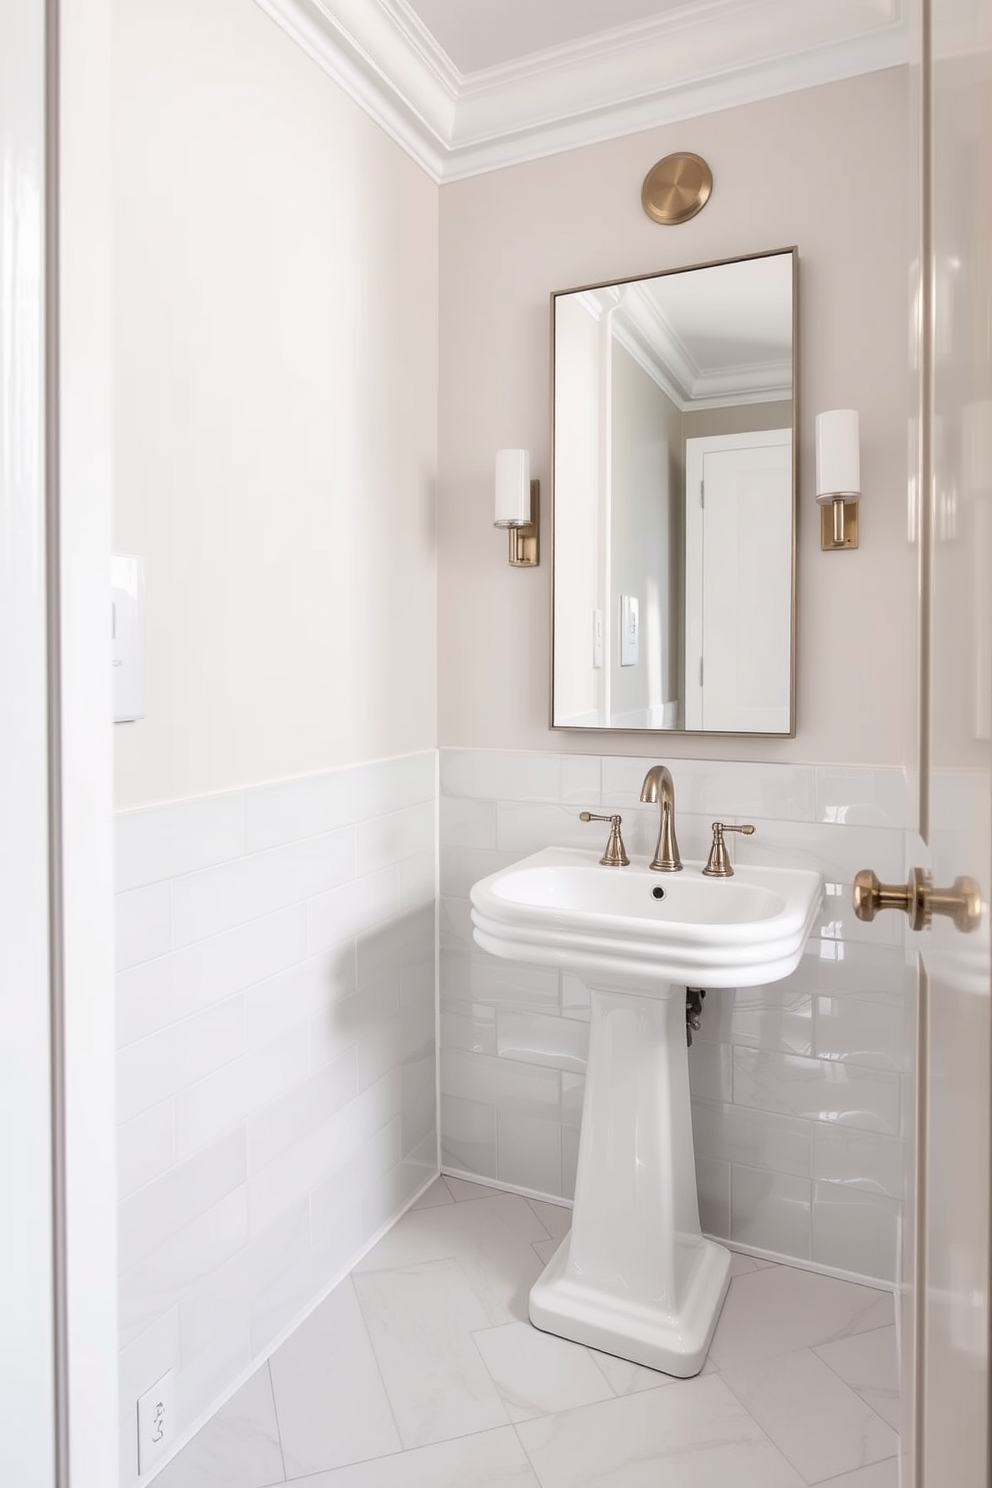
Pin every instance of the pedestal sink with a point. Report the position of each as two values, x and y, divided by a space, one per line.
635 1277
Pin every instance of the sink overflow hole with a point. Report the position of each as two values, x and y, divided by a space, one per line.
658 893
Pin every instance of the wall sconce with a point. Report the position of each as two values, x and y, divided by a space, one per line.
518 506
838 478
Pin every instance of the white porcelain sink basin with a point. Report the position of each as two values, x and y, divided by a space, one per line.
635 1276
635 927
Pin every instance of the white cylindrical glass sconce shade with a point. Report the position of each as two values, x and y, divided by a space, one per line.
838 455
512 488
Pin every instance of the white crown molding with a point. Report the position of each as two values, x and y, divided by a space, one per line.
705 56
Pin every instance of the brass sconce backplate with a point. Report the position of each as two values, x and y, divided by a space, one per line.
524 548
838 525
676 188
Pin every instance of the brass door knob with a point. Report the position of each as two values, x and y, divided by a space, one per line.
962 902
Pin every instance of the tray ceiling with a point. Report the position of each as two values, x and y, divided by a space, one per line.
467 86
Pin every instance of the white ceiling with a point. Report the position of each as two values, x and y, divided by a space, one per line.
470 85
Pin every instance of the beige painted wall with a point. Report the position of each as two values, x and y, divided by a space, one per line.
275 351
793 170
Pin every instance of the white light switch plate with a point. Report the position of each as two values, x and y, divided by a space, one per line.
629 631
127 631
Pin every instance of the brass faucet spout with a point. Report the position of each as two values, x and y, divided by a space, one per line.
659 787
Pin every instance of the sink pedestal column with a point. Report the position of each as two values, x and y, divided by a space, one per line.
635 1276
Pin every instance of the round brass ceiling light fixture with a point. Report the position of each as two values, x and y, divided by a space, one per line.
676 188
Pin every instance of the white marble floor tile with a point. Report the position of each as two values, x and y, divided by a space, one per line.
780 1309
537 1373
237 1448
462 1189
817 1421
330 1401
740 1265
556 1219
491 1459
868 1363
626 1378
545 1249
435 1196
878 1475
491 1238
420 1320
690 1434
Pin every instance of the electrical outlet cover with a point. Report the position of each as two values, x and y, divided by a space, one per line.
156 1422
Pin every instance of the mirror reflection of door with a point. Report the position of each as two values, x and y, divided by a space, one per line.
644 370
738 591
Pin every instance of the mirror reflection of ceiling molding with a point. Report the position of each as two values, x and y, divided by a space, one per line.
467 88
714 338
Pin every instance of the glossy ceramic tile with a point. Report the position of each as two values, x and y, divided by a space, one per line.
470 1026
858 1159
146 1147
320 803
850 1227
439 1306
166 841
420 1319
158 993
159 1281
556 1043
207 1108
820 1090
856 1032
143 924
528 1151
770 1211
282 1054
491 1459
780 1309
868 1362
864 797
163 1207
500 775
174 1058
312 986
468 1136
818 1423
216 899
523 1088
536 1373
689 1432
238 1448
328 1359
756 1138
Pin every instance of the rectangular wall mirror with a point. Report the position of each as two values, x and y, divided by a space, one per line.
674 500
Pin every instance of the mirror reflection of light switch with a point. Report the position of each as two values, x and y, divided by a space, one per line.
597 638
629 630
127 639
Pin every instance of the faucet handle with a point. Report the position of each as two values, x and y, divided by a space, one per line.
615 855
718 864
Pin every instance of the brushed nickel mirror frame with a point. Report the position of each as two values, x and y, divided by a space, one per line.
556 515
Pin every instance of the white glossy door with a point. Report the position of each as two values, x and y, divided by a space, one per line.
27 1370
949 1432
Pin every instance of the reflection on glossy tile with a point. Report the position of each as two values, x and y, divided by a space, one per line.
420 1319
537 1373
868 1362
780 1309
768 1210
238 1448
693 1432
819 1089
858 1159
329 1358
856 1231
